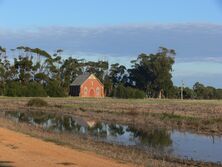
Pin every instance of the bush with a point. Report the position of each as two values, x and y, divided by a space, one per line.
13 89
54 89
128 93
34 90
1 89
16 89
37 102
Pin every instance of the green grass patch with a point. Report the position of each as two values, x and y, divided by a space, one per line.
174 117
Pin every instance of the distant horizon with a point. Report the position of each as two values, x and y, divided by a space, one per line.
120 30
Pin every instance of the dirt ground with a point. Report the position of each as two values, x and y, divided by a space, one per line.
24 151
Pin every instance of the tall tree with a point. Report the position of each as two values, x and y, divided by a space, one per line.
117 73
70 69
98 68
153 73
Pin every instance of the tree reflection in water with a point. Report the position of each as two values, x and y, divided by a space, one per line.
152 137
154 140
100 130
116 130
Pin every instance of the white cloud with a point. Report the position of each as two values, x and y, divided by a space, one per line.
191 41
198 45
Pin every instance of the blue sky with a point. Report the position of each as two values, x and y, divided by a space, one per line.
119 30
110 12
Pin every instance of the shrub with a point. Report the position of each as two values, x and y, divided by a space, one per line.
1 89
13 89
32 89
128 93
54 89
37 102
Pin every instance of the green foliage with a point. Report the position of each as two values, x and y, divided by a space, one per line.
54 89
174 117
41 77
199 91
98 68
188 93
70 69
23 66
218 94
37 102
117 72
1 89
128 93
152 73
206 92
34 89
12 89
108 85
35 72
30 90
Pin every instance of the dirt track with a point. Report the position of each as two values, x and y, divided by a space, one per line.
24 151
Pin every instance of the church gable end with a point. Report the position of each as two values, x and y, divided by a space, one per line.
87 85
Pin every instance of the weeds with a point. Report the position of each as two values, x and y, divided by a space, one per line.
37 102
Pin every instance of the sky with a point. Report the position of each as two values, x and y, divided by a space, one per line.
119 30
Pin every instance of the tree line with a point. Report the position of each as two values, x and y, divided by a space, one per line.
35 72
199 91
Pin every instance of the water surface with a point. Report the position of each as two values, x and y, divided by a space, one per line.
179 144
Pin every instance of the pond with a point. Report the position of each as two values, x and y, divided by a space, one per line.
178 144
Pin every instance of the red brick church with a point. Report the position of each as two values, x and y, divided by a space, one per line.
87 85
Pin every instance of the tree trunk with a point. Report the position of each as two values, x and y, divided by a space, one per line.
160 94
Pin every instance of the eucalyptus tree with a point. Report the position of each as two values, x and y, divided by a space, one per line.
52 67
117 73
5 67
99 68
44 65
23 66
153 73
2 52
70 69
2 69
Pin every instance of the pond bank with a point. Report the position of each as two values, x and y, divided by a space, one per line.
178 118
88 143
198 116
24 151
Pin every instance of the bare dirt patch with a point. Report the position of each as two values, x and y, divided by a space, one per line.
34 152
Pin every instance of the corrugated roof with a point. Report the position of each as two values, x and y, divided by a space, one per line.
80 79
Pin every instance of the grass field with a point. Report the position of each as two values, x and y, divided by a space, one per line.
204 116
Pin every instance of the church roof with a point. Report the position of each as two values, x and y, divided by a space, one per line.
80 79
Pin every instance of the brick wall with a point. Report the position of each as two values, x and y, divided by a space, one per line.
91 88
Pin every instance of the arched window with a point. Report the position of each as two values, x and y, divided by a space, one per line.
85 90
97 91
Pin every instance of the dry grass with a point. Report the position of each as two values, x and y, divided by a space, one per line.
201 116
